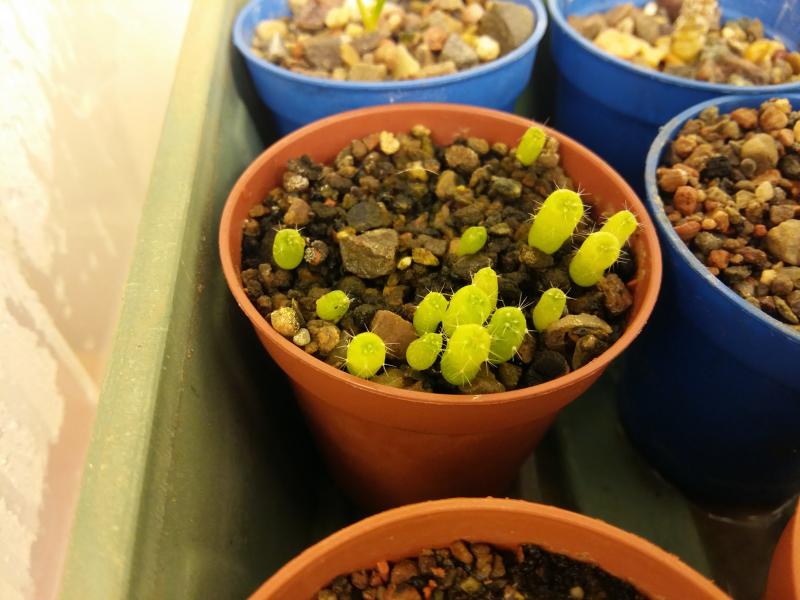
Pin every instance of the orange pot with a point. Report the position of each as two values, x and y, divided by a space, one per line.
388 446
403 532
784 573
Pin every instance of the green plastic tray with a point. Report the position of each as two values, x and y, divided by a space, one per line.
201 479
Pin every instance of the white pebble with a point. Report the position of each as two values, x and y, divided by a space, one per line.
302 337
487 48
765 192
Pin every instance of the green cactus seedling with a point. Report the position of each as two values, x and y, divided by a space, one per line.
555 221
423 352
288 248
549 308
470 304
598 252
507 328
366 354
621 225
467 349
333 305
370 15
430 313
472 240
530 146
486 279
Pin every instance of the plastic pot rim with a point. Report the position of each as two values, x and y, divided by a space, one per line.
646 232
243 45
612 535
717 89
667 231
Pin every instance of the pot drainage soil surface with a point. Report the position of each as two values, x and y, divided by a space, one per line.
731 188
480 572
412 40
686 38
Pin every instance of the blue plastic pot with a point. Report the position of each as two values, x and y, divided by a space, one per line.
712 392
296 100
616 108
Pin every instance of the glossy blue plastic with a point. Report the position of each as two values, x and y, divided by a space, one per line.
296 99
712 392
616 108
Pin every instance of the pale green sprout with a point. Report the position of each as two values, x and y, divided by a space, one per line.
423 352
333 305
598 252
555 221
370 16
467 349
486 279
621 225
288 248
366 354
507 328
469 305
530 146
430 313
549 308
472 240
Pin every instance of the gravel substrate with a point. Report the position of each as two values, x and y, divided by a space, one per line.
470 571
731 187
687 38
381 223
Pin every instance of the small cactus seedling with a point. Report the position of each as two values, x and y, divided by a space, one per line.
555 221
621 225
486 279
423 352
467 349
430 313
530 146
472 240
549 308
507 329
366 354
370 15
288 248
333 305
470 304
598 252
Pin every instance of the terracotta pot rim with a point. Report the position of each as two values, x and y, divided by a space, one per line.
619 537
647 233
794 552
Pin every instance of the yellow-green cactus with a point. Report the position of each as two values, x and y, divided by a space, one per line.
549 308
621 225
555 221
530 146
288 248
366 354
430 313
598 252
507 328
486 279
472 240
467 349
333 305
469 305
423 352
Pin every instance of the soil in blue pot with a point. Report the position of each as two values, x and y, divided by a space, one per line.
362 41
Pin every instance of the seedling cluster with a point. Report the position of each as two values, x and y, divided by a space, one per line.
468 330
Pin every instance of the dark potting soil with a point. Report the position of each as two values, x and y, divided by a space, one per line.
398 203
731 188
481 572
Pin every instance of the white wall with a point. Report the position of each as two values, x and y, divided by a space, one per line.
83 91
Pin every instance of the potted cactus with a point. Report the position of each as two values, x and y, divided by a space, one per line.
474 548
377 428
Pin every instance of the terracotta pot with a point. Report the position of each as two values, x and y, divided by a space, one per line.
784 573
403 532
388 446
